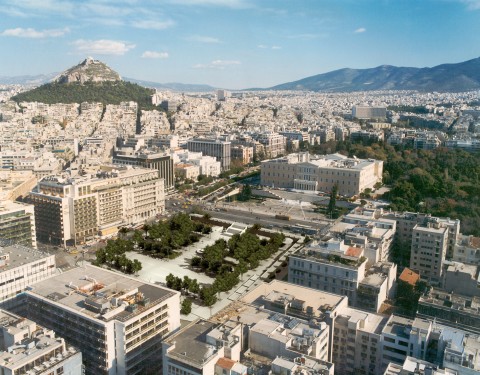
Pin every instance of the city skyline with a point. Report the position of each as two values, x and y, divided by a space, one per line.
234 44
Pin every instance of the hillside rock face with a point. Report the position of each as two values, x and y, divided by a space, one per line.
89 70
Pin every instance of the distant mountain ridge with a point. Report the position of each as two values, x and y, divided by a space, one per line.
464 76
173 86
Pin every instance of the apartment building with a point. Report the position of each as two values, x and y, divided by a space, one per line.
357 342
204 348
17 223
221 150
428 251
300 365
244 154
207 165
364 228
117 322
462 279
402 337
330 266
354 335
274 144
26 348
406 221
467 250
455 310
74 210
307 172
21 267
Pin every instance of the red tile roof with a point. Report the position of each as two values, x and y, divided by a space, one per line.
409 276
225 363
354 251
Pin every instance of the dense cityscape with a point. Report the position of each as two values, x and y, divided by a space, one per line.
239 232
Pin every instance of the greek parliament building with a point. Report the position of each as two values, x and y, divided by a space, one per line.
303 171
117 322
74 210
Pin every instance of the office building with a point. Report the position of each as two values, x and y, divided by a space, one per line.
17 223
26 348
22 266
367 112
159 161
117 322
221 150
303 171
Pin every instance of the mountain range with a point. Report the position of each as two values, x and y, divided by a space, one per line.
463 76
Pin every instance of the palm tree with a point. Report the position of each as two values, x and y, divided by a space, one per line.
123 231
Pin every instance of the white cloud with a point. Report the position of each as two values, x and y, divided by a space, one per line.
203 39
236 4
263 46
472 4
153 25
154 55
20 32
217 64
360 30
102 47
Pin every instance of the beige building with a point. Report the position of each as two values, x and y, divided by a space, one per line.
117 322
72 211
242 153
428 251
303 171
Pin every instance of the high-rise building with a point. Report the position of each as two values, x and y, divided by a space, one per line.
17 223
117 322
366 112
26 348
221 150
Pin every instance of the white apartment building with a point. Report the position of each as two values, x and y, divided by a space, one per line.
402 337
306 172
26 348
204 348
467 250
207 165
21 267
117 322
73 210
354 335
329 266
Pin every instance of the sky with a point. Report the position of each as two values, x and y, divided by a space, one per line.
234 44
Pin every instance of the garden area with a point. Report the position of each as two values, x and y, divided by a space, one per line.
163 239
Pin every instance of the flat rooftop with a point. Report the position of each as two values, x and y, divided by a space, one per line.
20 255
317 299
191 343
83 287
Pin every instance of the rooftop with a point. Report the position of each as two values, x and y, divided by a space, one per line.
409 276
19 255
100 294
